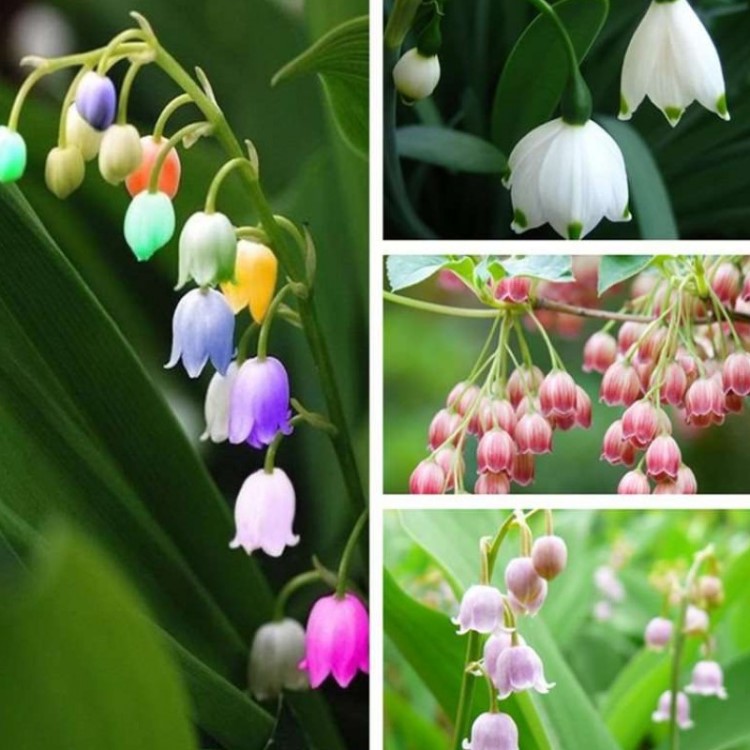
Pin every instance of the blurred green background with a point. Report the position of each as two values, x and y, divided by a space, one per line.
425 355
309 174
607 683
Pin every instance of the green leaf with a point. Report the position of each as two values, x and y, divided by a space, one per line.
407 270
417 731
536 71
649 197
82 666
341 59
557 268
461 152
614 269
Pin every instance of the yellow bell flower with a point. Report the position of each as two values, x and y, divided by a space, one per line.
254 283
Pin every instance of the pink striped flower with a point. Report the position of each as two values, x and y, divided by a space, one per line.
492 484
557 394
599 352
639 423
427 479
620 385
663 458
495 452
533 434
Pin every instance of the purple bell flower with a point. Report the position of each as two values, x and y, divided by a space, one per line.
96 100
202 329
259 404
492 731
520 668
708 679
662 713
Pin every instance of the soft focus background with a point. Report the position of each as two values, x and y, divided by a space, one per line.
425 355
607 683
309 174
690 181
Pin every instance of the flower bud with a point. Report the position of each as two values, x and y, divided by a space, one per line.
12 155
444 426
216 407
634 483
658 633
79 133
707 679
514 289
264 513
427 479
254 285
550 556
495 452
278 647
415 75
64 170
620 385
599 352
96 100
674 384
711 590
533 434
615 449
208 249
492 484
149 223
481 610
497 413
527 590
736 374
663 458
522 382
663 711
608 584
120 153
639 423
696 621
169 175
726 283
557 394
523 469
492 731
519 668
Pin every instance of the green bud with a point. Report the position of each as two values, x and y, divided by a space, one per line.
12 155
64 170
149 223
120 153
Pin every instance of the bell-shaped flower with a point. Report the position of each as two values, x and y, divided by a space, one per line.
696 621
256 269
149 223
216 407
492 731
208 248
520 668
96 100
428 478
672 60
493 647
64 170
663 710
481 610
79 133
416 75
169 176
275 655
337 640
202 329
264 513
658 633
527 590
707 679
550 556
120 153
259 404
570 176
12 155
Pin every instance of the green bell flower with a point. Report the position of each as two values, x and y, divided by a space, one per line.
208 249
149 223
12 154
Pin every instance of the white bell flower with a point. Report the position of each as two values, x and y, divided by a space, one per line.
277 650
673 61
416 75
570 176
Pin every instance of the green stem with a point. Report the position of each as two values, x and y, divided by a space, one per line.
213 190
109 51
348 553
125 89
265 328
400 20
244 344
161 157
270 459
167 112
293 265
473 653
457 312
291 587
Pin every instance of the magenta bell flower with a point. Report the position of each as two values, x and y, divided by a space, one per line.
337 640
259 403
202 329
481 610
519 668
708 679
264 513
96 100
662 713
492 732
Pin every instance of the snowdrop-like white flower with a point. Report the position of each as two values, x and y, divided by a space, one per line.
216 407
278 648
672 60
481 610
520 668
708 679
570 176
663 710
416 75
492 731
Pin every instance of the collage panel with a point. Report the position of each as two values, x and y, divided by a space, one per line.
536 629
565 374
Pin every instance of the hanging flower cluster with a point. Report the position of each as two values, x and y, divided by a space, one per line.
232 269
691 601
687 358
508 663
569 172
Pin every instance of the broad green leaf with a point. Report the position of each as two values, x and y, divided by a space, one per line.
536 71
407 270
558 268
416 731
649 197
341 59
461 152
614 269
82 665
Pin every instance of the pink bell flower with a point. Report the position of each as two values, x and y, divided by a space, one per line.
658 633
520 668
708 679
662 713
492 731
481 610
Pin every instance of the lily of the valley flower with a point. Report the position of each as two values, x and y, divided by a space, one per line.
79 133
264 513
275 654
208 248
481 610
520 668
254 283
120 153
169 175
416 75
12 154
663 710
96 100
672 60
492 731
64 170
216 407
570 176
149 223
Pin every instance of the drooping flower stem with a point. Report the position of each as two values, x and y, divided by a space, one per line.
188 130
167 112
125 89
347 554
62 136
265 328
291 587
220 176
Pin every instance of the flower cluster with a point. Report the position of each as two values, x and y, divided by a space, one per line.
694 599
508 663
512 417
686 364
